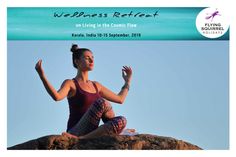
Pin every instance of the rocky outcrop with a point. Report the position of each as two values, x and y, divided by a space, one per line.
137 142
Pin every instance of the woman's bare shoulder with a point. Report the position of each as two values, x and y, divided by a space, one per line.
99 85
68 82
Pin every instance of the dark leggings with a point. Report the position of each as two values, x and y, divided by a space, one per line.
90 120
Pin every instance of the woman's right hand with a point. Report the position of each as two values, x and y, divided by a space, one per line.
38 68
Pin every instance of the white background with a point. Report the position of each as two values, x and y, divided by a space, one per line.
226 5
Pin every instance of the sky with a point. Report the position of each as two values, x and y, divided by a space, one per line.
179 89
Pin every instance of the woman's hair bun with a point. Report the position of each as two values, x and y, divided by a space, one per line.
74 48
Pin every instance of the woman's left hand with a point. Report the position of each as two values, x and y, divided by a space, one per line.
127 74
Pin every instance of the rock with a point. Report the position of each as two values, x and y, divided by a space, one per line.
137 142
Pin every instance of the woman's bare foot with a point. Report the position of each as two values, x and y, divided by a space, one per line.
69 135
130 130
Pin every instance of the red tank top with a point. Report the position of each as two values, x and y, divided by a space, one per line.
79 104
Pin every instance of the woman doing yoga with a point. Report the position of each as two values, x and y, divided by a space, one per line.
88 100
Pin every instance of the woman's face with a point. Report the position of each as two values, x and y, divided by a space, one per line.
86 62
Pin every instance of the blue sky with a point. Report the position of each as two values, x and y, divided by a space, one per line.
179 88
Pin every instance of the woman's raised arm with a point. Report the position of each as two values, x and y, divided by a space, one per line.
56 95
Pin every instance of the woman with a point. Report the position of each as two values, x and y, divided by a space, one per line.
88 99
